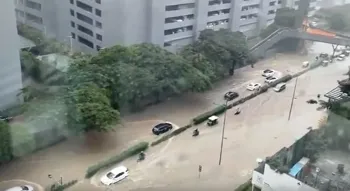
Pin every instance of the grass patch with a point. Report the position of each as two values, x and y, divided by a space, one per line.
58 187
142 146
172 134
203 117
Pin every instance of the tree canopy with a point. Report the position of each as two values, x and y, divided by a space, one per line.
337 22
285 17
5 143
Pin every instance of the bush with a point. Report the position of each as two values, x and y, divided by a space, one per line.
200 118
5 143
247 186
142 146
172 134
57 187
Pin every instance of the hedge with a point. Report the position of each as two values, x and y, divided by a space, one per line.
172 134
58 187
247 186
201 118
6 152
92 170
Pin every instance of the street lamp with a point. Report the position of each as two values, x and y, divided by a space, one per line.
223 132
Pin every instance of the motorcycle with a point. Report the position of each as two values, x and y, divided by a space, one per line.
142 157
195 133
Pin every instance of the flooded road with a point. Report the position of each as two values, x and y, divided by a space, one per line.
260 130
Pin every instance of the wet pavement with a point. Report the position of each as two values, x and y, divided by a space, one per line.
260 130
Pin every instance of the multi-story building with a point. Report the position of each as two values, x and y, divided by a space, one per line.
94 24
10 73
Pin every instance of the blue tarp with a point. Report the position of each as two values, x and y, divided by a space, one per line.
295 169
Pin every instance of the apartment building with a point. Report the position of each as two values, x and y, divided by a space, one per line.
10 73
95 24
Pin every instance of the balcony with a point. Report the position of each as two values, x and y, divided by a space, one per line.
250 2
178 35
179 23
180 12
220 26
248 21
250 11
221 6
216 25
218 17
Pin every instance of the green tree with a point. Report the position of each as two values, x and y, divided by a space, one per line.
337 22
89 108
6 153
285 17
31 66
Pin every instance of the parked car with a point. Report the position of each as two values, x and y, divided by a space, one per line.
268 73
279 87
162 128
5 118
306 64
253 86
21 188
270 79
115 175
231 95
341 57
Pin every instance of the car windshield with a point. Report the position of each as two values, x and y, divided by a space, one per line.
110 175
24 188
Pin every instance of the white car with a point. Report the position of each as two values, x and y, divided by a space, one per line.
268 73
341 57
270 79
279 87
115 175
253 86
21 188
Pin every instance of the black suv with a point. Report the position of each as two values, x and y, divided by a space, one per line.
161 128
230 95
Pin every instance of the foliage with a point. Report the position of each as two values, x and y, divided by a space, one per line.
247 186
90 108
201 118
216 52
172 134
22 140
31 65
337 22
59 187
142 146
285 17
269 30
315 144
6 153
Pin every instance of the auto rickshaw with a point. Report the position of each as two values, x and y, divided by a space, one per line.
213 120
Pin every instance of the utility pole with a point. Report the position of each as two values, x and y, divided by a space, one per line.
222 134
292 102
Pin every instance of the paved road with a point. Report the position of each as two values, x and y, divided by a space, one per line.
71 158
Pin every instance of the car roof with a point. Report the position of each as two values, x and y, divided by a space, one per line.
213 118
119 169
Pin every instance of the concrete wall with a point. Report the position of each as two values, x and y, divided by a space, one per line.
10 73
272 180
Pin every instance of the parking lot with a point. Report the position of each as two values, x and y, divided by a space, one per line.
260 130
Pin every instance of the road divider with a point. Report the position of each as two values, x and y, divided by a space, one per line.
131 151
61 187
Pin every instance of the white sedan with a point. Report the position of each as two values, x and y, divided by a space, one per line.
115 175
21 188
253 86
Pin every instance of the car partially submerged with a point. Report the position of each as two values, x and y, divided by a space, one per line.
253 86
21 188
341 57
270 79
279 87
161 128
231 95
268 73
115 175
212 120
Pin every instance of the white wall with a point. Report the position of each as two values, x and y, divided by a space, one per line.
258 179
276 181
10 72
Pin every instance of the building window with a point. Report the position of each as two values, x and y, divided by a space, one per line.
273 3
73 35
98 48
72 12
85 18
72 2
85 42
34 18
179 7
99 37
98 1
33 5
178 30
85 30
72 24
98 24
98 12
84 6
